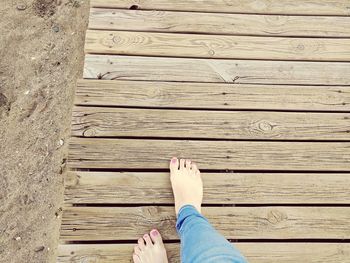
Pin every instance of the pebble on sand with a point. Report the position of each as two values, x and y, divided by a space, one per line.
55 28
38 249
21 7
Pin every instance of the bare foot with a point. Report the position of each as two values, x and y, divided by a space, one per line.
147 251
187 184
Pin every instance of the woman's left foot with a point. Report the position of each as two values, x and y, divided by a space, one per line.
150 249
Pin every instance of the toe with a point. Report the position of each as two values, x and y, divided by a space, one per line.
188 164
182 164
156 237
195 168
141 243
137 250
174 164
136 258
197 173
147 239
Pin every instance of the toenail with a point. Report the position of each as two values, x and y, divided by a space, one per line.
145 236
154 232
173 160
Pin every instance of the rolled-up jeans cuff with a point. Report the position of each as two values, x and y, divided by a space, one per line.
185 212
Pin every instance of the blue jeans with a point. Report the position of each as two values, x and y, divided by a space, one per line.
200 242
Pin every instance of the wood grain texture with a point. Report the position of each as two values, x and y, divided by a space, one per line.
216 70
213 46
240 188
300 7
232 155
213 23
235 85
212 95
276 222
254 253
246 125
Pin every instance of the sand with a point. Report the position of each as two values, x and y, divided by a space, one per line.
41 48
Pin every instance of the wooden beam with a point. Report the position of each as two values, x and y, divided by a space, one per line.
254 252
213 23
212 95
216 70
299 7
244 125
240 188
129 223
213 46
232 155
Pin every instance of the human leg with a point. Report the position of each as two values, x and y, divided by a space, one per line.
200 242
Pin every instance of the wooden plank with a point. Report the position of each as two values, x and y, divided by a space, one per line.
245 125
213 23
300 7
232 155
276 222
212 96
254 252
240 188
216 70
213 46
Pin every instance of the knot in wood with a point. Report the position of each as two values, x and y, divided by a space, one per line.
275 216
276 21
89 132
300 47
265 126
109 41
157 93
72 180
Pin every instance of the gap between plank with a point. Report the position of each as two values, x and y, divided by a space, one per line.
224 83
206 139
176 241
205 109
216 34
208 12
216 58
209 205
160 170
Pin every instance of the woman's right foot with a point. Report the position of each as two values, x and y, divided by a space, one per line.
187 184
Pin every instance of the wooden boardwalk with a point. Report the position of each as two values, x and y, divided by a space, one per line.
256 92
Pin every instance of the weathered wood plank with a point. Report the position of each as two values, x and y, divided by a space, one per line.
254 252
216 70
213 46
213 23
212 96
129 223
240 188
300 7
243 155
246 125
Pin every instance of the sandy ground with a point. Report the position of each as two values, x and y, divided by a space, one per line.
41 56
